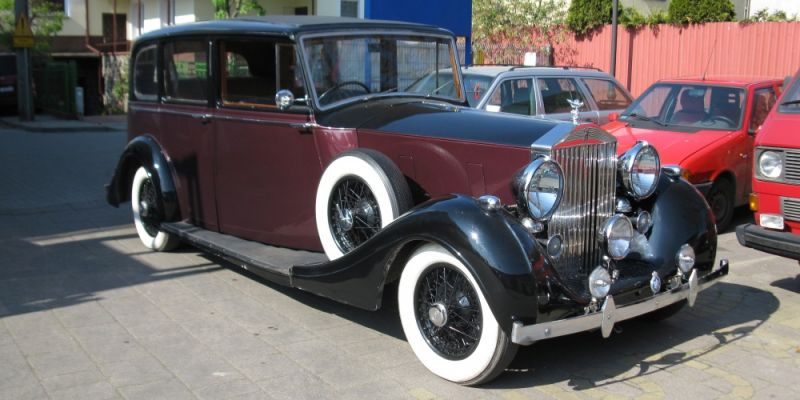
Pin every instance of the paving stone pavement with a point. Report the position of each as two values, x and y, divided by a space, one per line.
87 313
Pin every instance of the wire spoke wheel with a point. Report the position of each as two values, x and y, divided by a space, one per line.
354 213
448 312
148 202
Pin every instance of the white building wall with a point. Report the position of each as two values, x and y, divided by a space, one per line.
790 7
75 16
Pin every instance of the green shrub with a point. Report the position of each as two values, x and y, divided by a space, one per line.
699 11
583 16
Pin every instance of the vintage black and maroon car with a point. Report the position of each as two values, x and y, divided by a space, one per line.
291 147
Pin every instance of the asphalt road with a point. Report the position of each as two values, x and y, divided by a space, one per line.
87 313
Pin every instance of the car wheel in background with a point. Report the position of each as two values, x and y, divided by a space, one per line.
147 215
720 198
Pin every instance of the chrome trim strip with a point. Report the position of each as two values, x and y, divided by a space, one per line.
611 314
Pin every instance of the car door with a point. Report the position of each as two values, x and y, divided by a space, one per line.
184 126
268 167
607 96
553 93
761 101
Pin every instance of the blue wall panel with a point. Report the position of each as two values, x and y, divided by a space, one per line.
454 15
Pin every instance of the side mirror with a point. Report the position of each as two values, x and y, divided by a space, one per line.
284 99
613 117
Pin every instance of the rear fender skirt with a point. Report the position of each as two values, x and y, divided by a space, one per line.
491 244
144 151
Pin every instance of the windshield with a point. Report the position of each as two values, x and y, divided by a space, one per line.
688 106
790 102
343 68
440 83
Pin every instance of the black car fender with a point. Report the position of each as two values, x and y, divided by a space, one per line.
144 151
491 243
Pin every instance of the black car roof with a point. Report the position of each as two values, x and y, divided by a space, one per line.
286 25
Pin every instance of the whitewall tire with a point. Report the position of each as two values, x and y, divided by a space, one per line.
455 336
360 192
145 203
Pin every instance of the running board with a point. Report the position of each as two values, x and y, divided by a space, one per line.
270 262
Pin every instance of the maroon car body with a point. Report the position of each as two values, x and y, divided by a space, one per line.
292 147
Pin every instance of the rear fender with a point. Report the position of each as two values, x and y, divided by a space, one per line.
144 151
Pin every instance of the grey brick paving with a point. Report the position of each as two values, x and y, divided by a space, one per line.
87 313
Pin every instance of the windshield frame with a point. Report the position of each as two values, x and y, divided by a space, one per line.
674 90
792 91
311 89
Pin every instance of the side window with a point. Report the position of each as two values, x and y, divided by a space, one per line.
254 70
607 94
145 77
763 100
186 71
513 96
555 93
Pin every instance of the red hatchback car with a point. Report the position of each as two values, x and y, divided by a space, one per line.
704 128
776 176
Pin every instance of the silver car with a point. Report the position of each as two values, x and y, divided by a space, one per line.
535 91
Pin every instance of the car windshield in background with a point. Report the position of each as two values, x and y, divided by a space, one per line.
669 105
350 67
440 83
790 102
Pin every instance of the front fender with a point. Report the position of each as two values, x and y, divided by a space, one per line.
491 244
144 151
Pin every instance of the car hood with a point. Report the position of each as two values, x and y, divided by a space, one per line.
673 146
433 118
774 131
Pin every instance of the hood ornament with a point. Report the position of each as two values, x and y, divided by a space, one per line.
576 104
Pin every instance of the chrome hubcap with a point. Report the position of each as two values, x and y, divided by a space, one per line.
438 315
345 220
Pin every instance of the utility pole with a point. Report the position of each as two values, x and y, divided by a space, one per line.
24 92
614 18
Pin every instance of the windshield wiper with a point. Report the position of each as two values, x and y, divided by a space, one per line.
790 102
643 118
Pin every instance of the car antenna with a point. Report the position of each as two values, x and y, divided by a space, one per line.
708 62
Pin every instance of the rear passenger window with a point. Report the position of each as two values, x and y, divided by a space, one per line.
555 93
607 94
145 78
513 96
186 71
251 69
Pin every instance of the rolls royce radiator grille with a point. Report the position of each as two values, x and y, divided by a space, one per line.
589 200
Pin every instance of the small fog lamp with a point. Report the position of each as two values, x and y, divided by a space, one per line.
616 236
599 283
643 222
554 246
685 258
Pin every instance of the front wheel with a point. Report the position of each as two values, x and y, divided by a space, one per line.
147 215
448 322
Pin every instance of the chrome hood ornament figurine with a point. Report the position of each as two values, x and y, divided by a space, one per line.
576 104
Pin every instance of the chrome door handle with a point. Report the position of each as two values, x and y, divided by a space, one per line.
204 118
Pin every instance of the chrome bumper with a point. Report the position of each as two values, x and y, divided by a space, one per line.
609 314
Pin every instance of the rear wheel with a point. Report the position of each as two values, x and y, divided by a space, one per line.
147 213
720 198
447 320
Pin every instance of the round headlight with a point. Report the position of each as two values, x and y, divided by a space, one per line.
643 222
599 283
616 236
640 168
538 188
770 164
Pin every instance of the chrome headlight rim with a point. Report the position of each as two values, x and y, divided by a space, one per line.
523 181
780 157
629 160
605 235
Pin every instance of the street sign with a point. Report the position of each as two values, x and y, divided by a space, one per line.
23 35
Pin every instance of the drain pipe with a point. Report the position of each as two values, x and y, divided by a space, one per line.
87 41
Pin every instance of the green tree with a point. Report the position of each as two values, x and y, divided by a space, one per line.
585 16
699 11
224 9
46 20
764 15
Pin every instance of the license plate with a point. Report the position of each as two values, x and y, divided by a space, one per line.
6 89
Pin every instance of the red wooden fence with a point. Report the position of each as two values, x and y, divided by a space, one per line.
770 49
